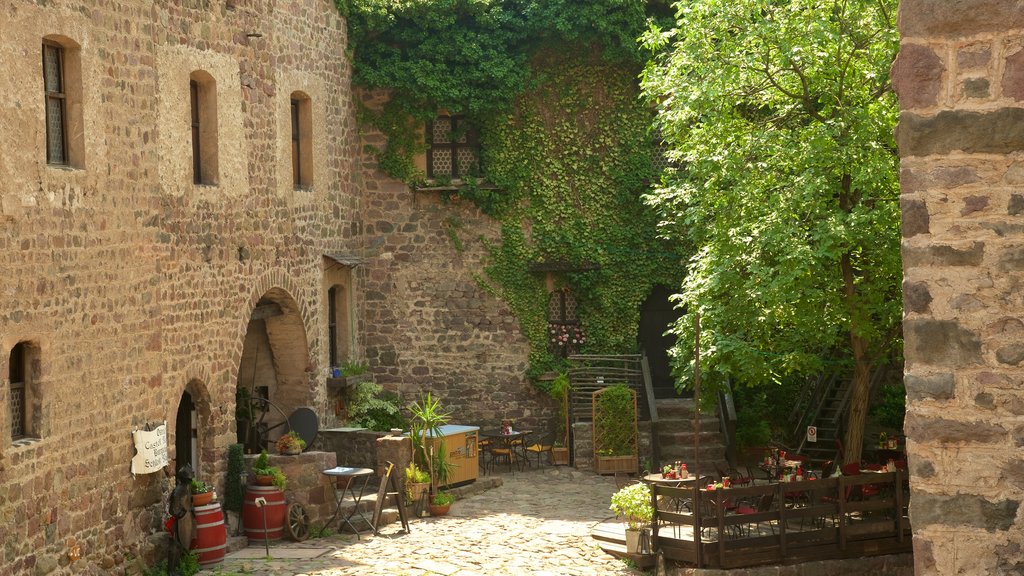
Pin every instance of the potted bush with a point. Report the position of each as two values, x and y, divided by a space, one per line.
202 493
291 444
441 503
417 482
267 475
634 503
559 390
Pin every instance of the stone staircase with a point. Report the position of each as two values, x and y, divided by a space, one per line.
676 435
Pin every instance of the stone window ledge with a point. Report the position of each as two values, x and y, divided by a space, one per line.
23 442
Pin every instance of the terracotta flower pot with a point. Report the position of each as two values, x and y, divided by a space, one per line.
439 509
262 480
202 499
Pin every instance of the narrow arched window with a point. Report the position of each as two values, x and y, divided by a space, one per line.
62 92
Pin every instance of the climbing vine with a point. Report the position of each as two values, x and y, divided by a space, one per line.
551 88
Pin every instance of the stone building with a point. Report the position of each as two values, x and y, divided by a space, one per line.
960 79
187 211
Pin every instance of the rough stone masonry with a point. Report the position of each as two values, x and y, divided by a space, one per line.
960 79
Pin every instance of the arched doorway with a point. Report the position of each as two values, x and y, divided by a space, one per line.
656 315
186 433
272 378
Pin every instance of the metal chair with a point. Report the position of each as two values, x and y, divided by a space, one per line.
541 446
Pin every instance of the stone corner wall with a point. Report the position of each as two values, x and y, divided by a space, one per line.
960 79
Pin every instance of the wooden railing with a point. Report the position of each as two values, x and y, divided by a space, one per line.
790 522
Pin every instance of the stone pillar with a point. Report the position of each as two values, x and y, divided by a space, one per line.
960 79
397 450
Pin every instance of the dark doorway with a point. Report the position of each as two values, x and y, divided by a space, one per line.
656 315
186 434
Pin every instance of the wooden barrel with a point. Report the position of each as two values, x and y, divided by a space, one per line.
252 516
211 535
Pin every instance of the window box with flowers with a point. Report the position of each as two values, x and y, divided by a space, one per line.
565 339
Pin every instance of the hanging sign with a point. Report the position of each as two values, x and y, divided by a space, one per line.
812 433
150 450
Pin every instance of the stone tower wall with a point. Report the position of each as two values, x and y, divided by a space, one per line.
431 322
129 282
960 79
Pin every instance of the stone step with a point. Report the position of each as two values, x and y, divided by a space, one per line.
686 436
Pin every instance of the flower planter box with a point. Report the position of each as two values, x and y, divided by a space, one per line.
346 382
613 464
560 456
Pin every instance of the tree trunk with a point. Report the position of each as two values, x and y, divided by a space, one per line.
860 387
860 391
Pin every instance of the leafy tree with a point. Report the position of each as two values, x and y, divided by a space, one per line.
779 115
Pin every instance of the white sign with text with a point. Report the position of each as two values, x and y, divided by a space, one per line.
150 450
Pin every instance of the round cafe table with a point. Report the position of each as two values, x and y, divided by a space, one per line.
678 503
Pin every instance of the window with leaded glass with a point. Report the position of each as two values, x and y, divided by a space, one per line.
19 397
565 335
56 104
454 150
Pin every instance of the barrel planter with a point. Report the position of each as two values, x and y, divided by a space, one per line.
211 535
253 517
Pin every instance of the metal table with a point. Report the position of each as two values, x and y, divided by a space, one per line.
352 477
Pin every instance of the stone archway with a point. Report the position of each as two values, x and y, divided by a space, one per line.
273 366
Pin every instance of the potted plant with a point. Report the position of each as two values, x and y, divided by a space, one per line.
634 503
267 475
417 482
559 390
202 493
291 444
441 503
428 445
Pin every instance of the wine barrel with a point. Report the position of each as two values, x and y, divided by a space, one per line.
211 535
252 516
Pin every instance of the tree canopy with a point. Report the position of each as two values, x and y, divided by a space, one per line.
779 115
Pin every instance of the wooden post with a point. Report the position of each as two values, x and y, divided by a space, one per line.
697 504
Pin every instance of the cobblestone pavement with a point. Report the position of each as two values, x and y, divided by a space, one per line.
537 523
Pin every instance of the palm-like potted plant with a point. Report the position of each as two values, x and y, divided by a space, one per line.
429 449
291 444
634 503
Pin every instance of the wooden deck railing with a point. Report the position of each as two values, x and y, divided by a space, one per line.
844 517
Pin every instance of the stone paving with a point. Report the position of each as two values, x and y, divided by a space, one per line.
535 523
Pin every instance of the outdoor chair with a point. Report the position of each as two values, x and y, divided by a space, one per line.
540 447
764 504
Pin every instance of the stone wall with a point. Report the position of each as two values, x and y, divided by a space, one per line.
429 323
960 79
130 283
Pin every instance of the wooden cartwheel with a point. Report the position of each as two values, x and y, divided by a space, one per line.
297 522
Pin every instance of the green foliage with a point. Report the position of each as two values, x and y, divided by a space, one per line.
891 407
559 390
429 449
614 421
187 566
415 475
634 503
443 499
262 467
199 487
780 117
233 485
373 408
353 368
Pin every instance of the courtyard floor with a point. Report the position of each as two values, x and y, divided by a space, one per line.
535 523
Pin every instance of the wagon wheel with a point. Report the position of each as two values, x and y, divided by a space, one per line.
298 522
261 407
